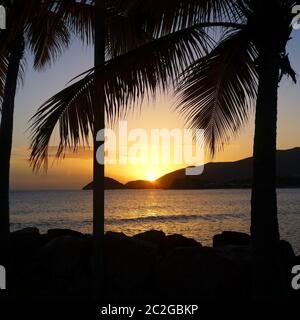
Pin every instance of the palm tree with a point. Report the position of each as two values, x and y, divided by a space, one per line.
102 97
45 28
217 96
217 93
98 168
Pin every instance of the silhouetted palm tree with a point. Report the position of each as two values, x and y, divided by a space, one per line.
45 28
121 26
98 98
217 93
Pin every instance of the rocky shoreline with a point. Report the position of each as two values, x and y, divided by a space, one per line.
146 267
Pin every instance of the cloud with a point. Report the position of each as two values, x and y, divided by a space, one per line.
83 153
80 153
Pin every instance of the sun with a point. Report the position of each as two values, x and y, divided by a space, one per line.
151 177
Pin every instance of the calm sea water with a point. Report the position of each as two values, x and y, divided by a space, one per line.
194 213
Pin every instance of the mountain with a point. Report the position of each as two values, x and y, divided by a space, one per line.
140 184
235 174
216 175
109 183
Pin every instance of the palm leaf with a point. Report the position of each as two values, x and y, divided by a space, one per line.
131 23
78 17
217 91
47 38
128 78
3 70
161 17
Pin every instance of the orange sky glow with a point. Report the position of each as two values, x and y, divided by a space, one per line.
75 170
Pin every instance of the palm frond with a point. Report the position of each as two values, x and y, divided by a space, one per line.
3 71
78 17
217 91
286 68
47 38
131 23
160 17
128 78
124 32
19 13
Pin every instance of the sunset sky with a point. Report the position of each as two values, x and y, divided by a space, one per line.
75 170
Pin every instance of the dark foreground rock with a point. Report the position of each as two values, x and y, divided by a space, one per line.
200 272
146 267
173 241
154 236
231 238
54 233
129 267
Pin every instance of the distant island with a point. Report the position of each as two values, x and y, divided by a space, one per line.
219 175
109 183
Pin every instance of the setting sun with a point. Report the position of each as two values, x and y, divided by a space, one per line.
151 177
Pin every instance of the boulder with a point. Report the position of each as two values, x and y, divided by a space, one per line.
154 236
31 231
25 243
129 267
65 256
54 233
231 238
65 264
238 254
174 241
199 273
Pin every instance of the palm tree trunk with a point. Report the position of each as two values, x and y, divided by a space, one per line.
98 169
264 221
6 135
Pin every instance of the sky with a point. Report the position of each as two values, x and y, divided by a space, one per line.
75 170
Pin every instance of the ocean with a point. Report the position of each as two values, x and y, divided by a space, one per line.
198 214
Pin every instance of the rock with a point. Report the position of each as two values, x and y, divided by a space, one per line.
25 242
54 233
199 273
238 254
241 256
66 268
31 231
25 246
110 236
65 256
174 241
153 236
129 266
231 238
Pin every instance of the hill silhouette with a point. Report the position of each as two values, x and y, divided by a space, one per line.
235 174
109 183
140 184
